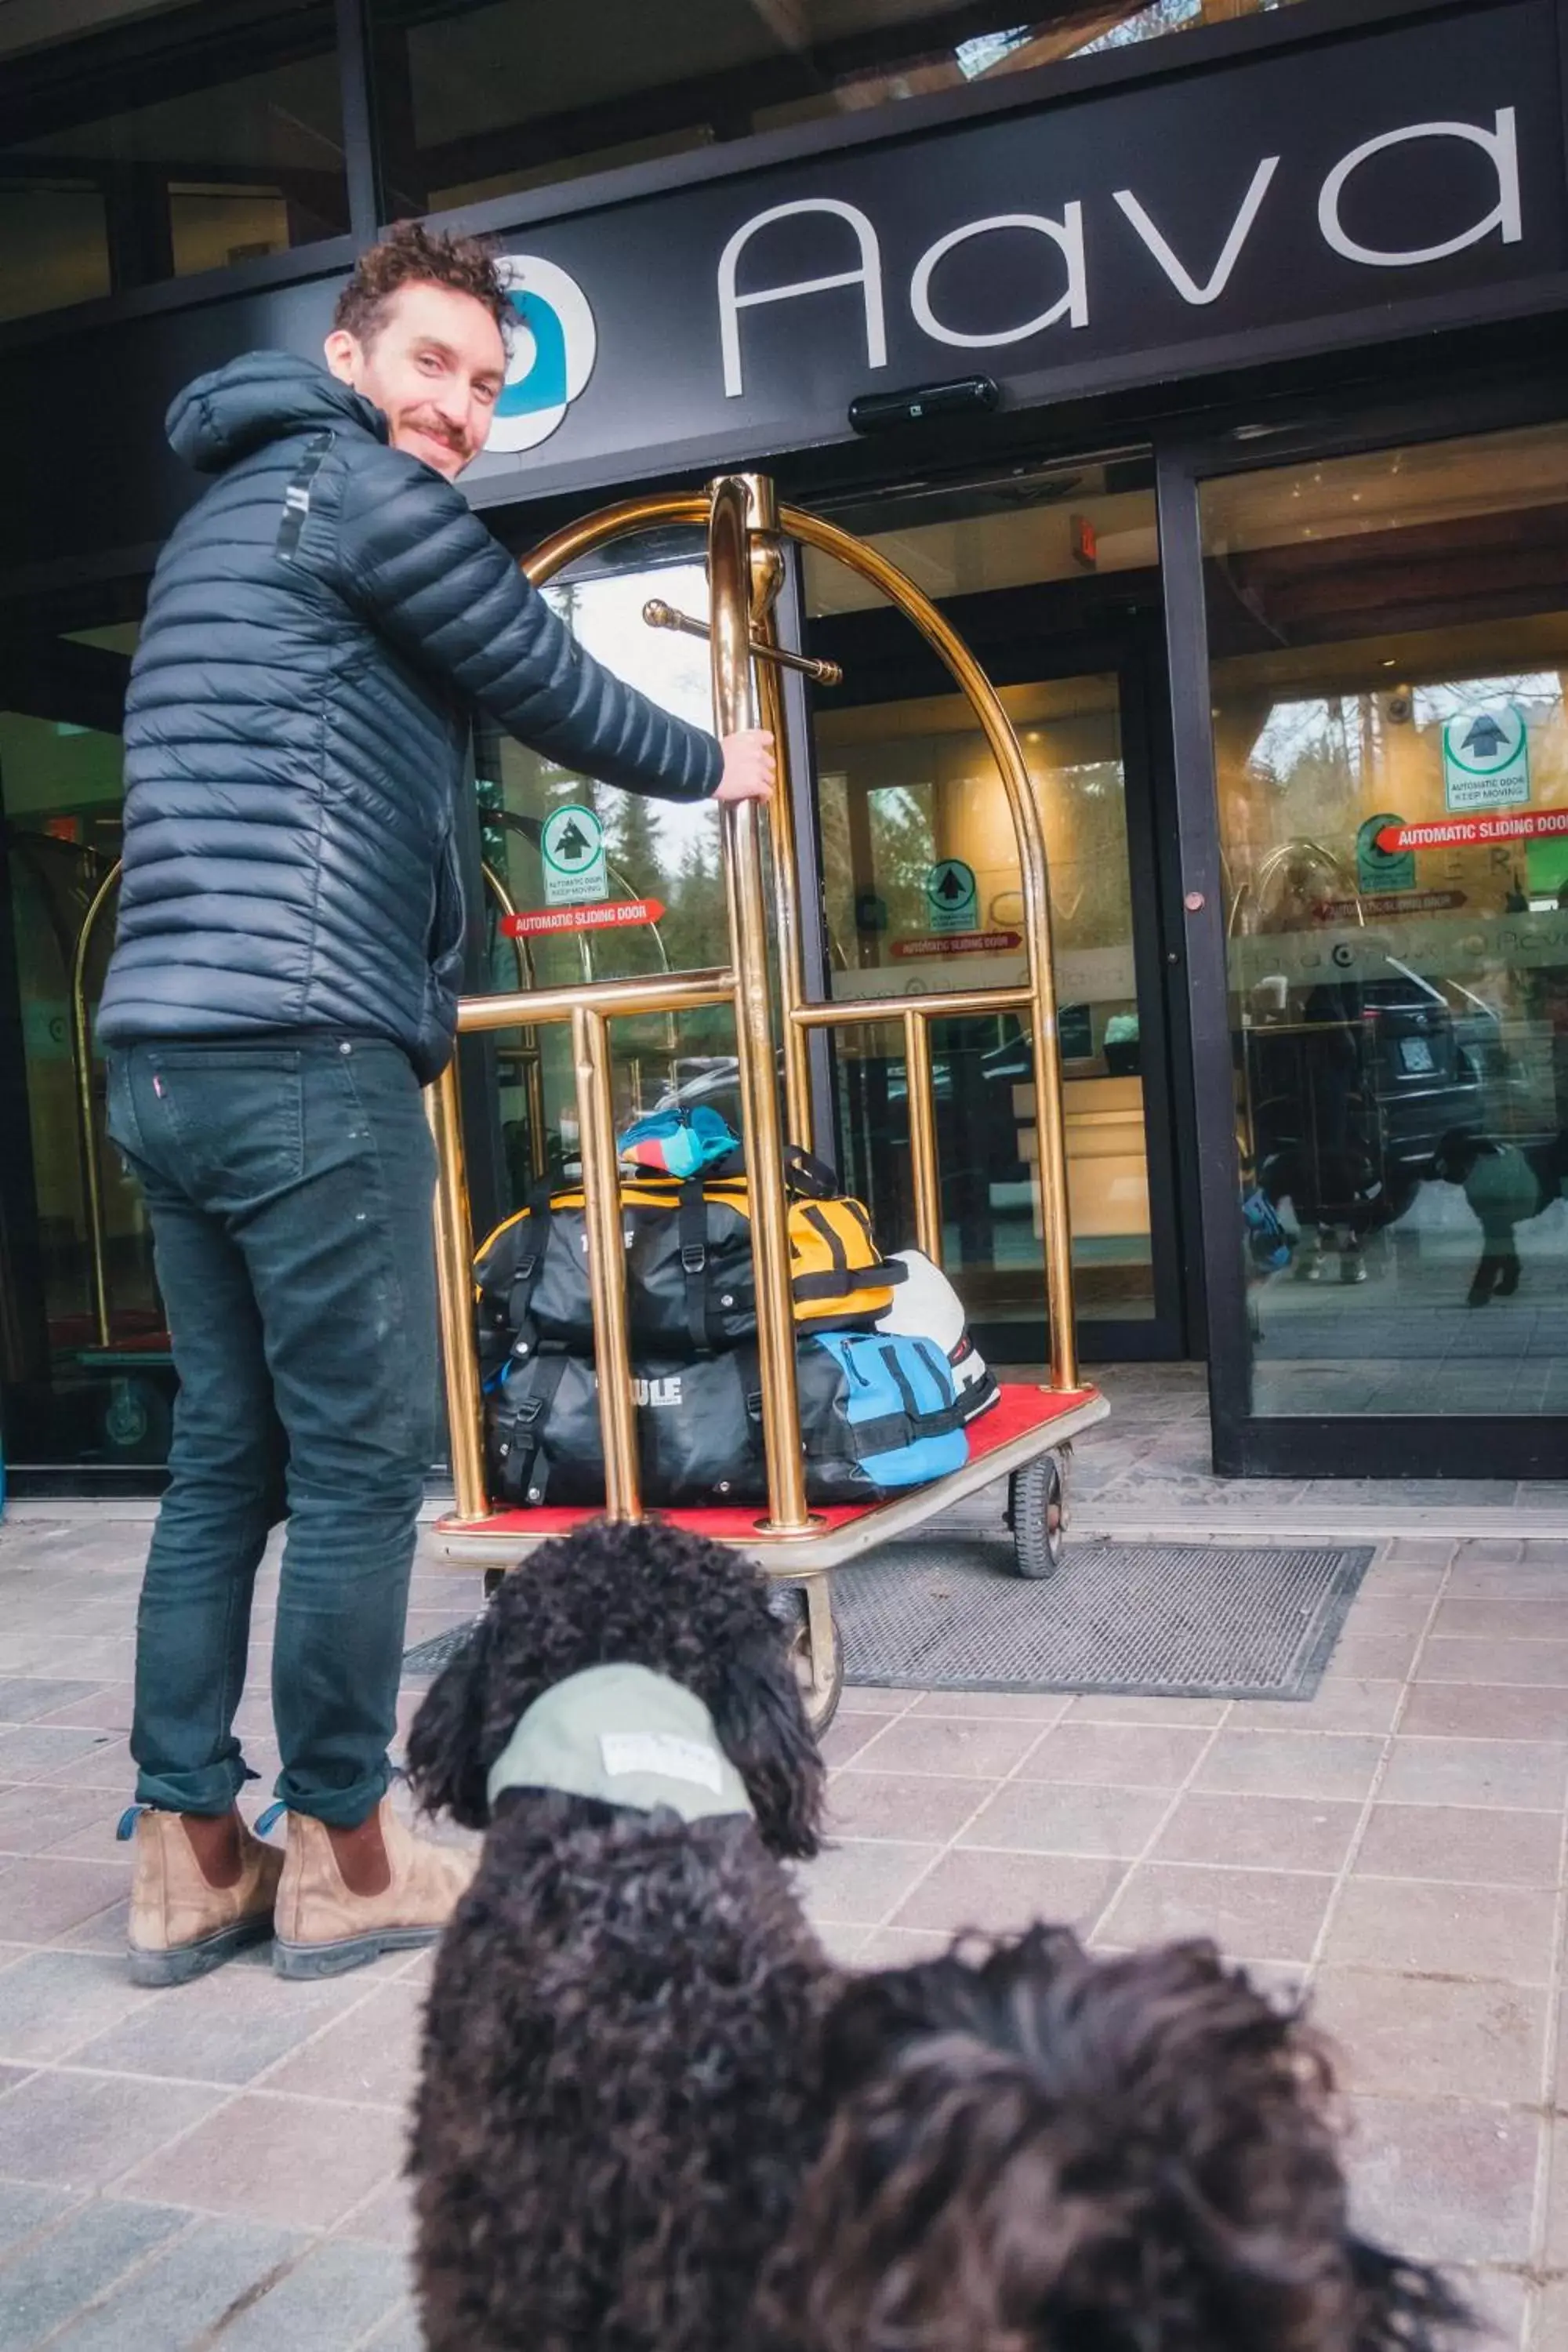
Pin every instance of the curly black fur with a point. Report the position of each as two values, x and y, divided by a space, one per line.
621 2080
1046 2152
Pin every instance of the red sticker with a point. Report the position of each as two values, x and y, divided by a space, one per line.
949 943
610 915
1465 832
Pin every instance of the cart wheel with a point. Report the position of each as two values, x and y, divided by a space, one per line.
821 1700
138 1420
1037 1513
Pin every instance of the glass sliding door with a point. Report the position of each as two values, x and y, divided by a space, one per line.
1388 636
910 797
1049 576
85 1376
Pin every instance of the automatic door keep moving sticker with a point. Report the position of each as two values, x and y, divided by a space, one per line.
1486 759
573 846
952 901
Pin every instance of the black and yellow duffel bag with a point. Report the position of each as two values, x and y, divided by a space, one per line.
690 1292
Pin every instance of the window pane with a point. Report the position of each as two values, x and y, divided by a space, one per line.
117 171
1390 636
909 796
53 245
907 791
71 1389
659 854
482 101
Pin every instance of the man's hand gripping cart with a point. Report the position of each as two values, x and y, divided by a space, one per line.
1026 1434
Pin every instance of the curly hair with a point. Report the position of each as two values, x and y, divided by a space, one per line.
620 2091
1042 2148
412 254
648 1595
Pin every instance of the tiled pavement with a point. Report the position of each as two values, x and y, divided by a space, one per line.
218 2167
1148 1470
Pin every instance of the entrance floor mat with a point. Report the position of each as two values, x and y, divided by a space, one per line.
424 1661
1147 1620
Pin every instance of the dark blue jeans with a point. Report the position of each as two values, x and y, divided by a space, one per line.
289 1190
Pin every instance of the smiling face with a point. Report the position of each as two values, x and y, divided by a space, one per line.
434 366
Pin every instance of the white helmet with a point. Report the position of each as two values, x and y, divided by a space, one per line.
926 1307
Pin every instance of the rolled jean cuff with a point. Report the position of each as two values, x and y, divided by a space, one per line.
338 1809
212 1790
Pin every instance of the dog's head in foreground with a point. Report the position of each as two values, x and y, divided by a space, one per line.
649 1596
1036 2150
621 2084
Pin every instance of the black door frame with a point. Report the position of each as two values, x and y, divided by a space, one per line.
1126 641
1300 1445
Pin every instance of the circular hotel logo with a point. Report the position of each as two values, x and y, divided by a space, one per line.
554 346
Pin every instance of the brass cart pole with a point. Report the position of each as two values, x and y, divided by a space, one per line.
86 1140
924 1177
730 609
767 567
606 1260
454 1295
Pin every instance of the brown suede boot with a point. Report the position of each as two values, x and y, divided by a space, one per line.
324 1927
182 1924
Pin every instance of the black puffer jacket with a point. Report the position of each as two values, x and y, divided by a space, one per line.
320 624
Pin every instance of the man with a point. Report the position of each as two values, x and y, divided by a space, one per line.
284 981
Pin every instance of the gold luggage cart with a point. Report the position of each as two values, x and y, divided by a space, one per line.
1024 1436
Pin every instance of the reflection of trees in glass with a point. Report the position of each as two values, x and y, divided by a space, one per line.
893 823
695 934
1305 767
631 843
1089 869
694 928
1086 829
1314 768
1321 745
904 848
1435 703
838 881
1146 25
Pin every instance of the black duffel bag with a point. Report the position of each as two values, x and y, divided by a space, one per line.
876 1413
698 1430
691 1289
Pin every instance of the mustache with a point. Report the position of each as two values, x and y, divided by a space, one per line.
424 420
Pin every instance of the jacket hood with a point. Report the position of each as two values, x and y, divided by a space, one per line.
223 416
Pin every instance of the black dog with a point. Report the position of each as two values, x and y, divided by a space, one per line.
1045 2150
1506 1184
620 2089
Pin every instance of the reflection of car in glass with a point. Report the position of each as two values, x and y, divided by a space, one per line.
994 1139
1432 1060
1353 1099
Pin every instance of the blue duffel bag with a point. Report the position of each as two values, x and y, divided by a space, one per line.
878 1411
